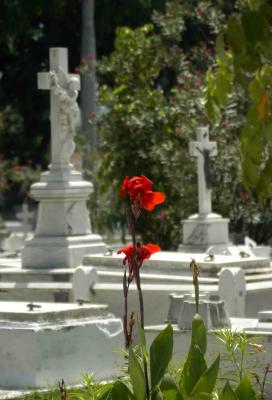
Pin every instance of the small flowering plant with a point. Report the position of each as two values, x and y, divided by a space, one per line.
149 375
139 195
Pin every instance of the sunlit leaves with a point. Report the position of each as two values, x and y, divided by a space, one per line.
248 37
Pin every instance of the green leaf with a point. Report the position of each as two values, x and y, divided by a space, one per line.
169 388
250 171
103 392
223 87
235 36
201 396
252 145
207 380
160 354
121 391
199 335
245 390
254 25
136 376
194 368
228 393
142 341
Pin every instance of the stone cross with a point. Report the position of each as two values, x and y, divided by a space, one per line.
63 93
199 149
25 216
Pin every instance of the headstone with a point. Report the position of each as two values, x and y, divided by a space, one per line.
232 289
212 310
205 228
83 281
63 233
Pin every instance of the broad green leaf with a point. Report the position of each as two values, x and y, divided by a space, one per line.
194 368
160 354
120 391
245 390
235 36
136 376
207 380
223 87
103 392
252 145
212 108
223 57
255 89
250 171
201 396
169 388
228 393
199 335
142 341
254 26
262 106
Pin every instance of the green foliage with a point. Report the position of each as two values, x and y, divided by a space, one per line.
246 66
239 356
136 376
152 86
160 355
245 390
228 393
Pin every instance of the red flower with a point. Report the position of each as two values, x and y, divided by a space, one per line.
140 253
139 189
77 70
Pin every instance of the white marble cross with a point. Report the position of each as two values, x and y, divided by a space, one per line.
198 149
25 216
63 93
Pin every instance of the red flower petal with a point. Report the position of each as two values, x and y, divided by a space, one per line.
159 197
124 188
153 248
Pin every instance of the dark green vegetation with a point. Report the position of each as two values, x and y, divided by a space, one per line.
152 82
153 85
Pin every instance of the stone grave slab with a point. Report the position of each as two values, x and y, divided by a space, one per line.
59 341
179 262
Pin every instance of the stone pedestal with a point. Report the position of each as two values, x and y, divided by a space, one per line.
63 234
203 230
213 312
45 342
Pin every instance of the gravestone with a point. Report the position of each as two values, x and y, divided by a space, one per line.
63 233
232 289
205 228
59 341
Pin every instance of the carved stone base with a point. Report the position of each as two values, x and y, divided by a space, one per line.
63 234
202 231
60 252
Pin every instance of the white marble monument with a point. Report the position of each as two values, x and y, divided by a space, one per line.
205 228
63 234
